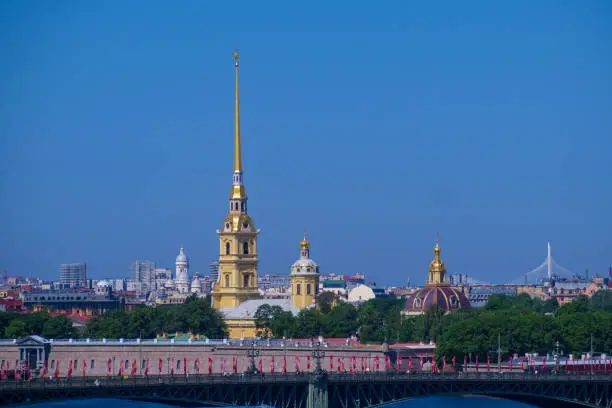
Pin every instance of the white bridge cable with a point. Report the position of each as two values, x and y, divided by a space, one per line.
542 272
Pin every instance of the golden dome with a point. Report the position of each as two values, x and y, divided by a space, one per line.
437 268
304 244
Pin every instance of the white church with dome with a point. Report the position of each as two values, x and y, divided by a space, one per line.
175 291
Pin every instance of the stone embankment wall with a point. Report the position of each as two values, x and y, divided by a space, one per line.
122 357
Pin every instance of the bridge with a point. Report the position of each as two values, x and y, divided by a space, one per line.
319 389
548 270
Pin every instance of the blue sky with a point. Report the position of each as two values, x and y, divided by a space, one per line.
373 126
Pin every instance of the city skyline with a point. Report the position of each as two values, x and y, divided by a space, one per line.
366 138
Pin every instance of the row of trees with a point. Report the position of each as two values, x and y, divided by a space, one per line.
515 324
195 315
15 325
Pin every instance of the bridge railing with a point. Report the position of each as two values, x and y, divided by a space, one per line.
153 381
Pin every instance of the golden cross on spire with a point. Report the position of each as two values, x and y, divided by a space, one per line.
236 56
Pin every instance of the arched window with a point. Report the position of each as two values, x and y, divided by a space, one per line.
245 248
308 288
242 206
298 289
227 281
227 248
245 281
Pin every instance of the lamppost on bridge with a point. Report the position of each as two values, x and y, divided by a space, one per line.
317 355
253 352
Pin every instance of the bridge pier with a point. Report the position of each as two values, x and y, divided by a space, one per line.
318 396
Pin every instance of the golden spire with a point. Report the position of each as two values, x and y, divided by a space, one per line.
304 244
237 146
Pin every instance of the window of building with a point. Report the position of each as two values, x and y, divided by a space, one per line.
143 364
52 363
308 288
227 248
227 281
245 248
245 282
75 364
92 365
178 364
126 365
298 289
242 205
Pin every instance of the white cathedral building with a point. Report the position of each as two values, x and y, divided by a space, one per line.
175 291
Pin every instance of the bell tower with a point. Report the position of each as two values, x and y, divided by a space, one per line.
238 260
304 278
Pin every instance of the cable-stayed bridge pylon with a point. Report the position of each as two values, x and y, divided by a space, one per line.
547 271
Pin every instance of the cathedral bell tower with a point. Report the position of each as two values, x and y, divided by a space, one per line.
237 279
304 278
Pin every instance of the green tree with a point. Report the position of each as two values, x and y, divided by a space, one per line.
15 330
283 324
309 323
59 327
326 301
602 299
341 321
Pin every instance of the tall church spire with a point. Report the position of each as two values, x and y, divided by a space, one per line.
237 145
238 195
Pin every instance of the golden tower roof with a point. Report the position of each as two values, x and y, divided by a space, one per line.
437 268
237 144
304 244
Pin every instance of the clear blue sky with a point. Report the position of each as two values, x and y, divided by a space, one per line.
373 125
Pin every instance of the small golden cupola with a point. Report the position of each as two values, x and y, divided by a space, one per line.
305 248
437 269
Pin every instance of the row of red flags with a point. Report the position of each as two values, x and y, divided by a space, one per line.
340 364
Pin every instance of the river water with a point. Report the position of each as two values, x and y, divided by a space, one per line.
435 402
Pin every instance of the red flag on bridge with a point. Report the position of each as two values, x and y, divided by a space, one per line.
184 366
331 362
260 365
410 363
84 367
160 366
134 368
272 364
171 362
297 364
308 363
120 373
377 362
210 365
284 364
108 367
476 362
235 364
146 372
69 374
443 363
197 365
43 373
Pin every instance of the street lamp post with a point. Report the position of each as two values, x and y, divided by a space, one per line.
317 355
253 352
